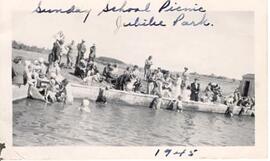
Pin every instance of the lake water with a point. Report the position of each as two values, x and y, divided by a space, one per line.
38 124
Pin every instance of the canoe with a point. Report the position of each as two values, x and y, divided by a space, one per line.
144 100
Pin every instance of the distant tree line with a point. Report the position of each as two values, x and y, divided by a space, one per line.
213 76
22 46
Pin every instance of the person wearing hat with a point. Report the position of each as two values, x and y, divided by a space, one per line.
81 50
195 90
92 53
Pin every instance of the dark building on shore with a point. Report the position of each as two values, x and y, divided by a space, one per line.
247 85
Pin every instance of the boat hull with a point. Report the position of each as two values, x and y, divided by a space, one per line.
144 100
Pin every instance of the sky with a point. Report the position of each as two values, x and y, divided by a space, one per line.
225 49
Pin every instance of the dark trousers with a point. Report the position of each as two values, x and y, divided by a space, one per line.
194 97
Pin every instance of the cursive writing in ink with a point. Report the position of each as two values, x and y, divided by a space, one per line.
168 7
181 19
145 22
138 22
70 10
124 9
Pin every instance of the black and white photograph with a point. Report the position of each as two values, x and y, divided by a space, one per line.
164 73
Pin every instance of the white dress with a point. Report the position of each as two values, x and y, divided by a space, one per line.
186 94
176 90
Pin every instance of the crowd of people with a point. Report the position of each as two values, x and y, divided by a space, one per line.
44 78
48 80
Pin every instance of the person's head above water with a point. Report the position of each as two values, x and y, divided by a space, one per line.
85 103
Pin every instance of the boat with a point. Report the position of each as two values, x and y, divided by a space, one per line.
144 100
35 94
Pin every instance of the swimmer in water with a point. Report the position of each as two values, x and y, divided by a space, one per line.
176 104
179 106
85 106
101 96
156 103
229 111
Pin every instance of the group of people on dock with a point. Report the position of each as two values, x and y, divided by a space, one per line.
47 78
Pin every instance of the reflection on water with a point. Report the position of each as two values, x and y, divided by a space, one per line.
35 123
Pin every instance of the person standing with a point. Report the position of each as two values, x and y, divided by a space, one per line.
184 78
176 86
92 53
18 69
56 51
147 67
167 85
160 80
81 50
195 89
70 54
151 82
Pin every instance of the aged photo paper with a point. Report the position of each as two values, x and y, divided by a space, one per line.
126 79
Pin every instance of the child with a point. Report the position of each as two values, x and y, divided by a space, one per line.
51 91
179 106
85 106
